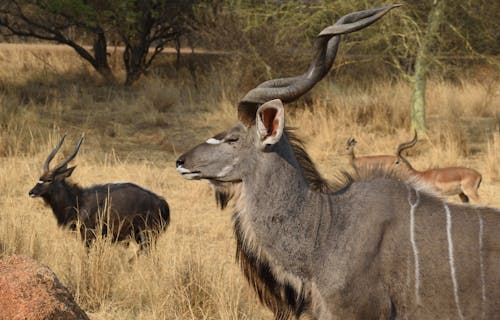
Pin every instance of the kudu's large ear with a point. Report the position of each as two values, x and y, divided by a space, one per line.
63 174
270 122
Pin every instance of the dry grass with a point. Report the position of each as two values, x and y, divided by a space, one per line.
136 134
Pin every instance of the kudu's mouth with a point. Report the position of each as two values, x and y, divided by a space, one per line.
33 195
188 174
194 174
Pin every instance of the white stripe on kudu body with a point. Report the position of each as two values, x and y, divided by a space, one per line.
451 260
413 206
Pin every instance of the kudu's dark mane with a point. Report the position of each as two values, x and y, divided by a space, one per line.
65 207
74 187
282 297
309 170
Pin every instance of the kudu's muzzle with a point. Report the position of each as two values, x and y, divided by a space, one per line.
32 193
37 190
185 172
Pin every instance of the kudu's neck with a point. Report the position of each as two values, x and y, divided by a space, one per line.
63 199
280 211
277 178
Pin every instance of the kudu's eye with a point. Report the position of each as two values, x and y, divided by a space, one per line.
232 140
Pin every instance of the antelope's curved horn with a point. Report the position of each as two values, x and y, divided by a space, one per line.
52 154
71 156
357 20
324 52
405 145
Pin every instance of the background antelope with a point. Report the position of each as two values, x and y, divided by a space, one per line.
379 248
122 210
447 181
386 162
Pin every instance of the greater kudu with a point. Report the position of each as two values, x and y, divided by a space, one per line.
122 210
379 248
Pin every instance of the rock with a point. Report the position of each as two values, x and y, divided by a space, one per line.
31 291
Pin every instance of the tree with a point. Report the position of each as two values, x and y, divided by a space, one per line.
137 24
143 24
52 20
424 43
421 66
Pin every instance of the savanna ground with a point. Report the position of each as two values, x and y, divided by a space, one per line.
135 134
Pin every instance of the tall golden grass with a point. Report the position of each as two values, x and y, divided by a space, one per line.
135 134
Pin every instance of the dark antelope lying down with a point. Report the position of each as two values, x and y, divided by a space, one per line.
121 210
379 248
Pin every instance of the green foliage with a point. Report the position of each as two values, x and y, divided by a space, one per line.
267 35
76 9
137 24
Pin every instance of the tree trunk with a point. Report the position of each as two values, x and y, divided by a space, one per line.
134 58
421 67
101 57
418 96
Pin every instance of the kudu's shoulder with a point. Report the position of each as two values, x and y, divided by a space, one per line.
391 192
378 186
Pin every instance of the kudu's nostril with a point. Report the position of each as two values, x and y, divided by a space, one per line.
179 162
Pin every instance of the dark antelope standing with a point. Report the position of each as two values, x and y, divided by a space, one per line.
122 210
446 181
380 248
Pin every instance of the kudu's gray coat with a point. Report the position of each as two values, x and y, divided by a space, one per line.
379 248
120 210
